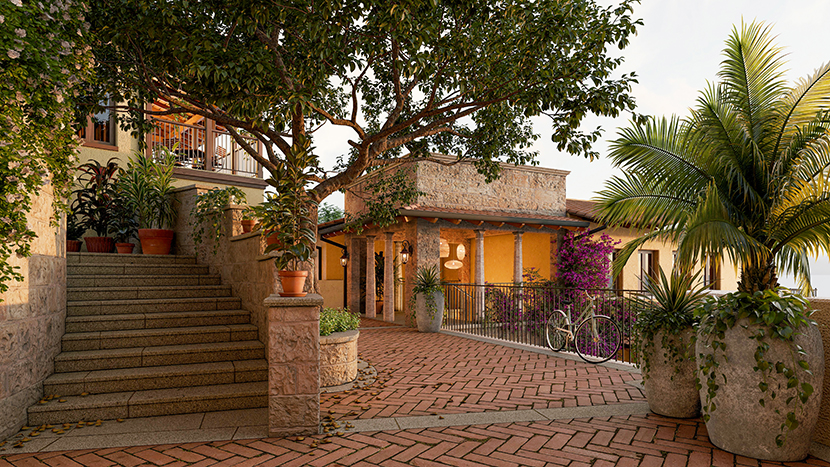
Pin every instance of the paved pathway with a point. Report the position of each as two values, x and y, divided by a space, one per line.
448 401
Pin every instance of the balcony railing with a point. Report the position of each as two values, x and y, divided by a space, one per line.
204 148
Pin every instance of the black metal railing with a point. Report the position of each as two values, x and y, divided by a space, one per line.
518 312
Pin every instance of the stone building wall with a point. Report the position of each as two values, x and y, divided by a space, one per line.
822 317
32 315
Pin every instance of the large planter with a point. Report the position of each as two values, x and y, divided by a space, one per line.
422 318
739 424
155 241
292 283
248 225
73 246
124 248
99 244
670 392
338 358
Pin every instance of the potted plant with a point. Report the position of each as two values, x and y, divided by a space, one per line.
428 299
286 215
338 346
248 221
94 202
74 232
208 213
147 187
664 339
123 226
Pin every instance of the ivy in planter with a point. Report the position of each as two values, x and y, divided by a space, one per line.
337 320
776 310
208 212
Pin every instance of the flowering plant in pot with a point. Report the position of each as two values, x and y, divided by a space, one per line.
95 202
287 216
146 185
665 338
208 213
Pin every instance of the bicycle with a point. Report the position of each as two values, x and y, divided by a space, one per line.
596 339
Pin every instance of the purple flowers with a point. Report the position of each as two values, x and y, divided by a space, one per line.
585 263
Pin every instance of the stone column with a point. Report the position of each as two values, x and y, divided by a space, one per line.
353 270
389 279
293 365
479 279
370 276
517 257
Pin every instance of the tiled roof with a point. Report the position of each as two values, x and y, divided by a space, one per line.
581 208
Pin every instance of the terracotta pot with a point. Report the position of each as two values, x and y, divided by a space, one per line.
739 424
422 318
124 248
155 241
248 225
271 239
292 283
379 307
670 388
73 246
99 244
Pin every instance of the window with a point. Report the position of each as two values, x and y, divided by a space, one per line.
99 131
648 266
711 273
615 282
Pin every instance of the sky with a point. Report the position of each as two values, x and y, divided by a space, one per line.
675 52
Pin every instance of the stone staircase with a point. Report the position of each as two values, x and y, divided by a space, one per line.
151 335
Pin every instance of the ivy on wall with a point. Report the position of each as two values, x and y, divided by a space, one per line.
44 60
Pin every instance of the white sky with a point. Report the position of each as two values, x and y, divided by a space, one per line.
674 54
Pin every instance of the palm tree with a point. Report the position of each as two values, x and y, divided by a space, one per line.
745 176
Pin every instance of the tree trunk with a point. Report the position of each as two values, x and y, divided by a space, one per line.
756 278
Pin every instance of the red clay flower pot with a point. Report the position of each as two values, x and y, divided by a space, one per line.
155 241
292 283
73 246
99 244
248 225
124 248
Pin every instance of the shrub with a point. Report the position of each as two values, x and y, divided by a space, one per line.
337 320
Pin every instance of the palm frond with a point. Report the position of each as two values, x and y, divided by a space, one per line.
799 107
643 202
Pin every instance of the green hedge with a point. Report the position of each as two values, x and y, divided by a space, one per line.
337 320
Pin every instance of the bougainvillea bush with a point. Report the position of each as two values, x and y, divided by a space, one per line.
584 262
44 58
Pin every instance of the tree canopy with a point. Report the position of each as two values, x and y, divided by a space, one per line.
744 176
406 77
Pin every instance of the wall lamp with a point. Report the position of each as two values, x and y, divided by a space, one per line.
344 259
406 251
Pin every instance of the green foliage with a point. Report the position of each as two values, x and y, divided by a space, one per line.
329 212
338 320
427 283
287 212
383 194
744 176
404 79
95 200
147 188
43 59
74 228
123 225
208 213
777 315
668 306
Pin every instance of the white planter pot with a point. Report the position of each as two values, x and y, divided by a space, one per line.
670 392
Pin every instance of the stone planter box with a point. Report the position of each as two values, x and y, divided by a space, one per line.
338 358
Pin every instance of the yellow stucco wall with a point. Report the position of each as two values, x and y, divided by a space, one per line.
332 270
498 256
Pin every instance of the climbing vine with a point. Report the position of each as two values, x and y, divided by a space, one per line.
44 58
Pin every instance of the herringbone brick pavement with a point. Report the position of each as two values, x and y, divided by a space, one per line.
637 440
423 374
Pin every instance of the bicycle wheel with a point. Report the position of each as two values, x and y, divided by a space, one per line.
556 333
597 339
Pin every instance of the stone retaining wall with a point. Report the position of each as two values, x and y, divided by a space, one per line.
338 358
32 315
822 317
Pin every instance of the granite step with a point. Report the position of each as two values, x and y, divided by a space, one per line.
93 280
135 357
155 377
91 323
111 258
151 403
122 339
167 305
115 269
138 293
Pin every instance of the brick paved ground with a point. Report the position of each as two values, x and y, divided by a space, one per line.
645 441
423 374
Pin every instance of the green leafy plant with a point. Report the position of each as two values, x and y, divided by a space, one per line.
123 225
778 315
427 283
337 320
667 306
146 185
95 200
208 213
287 213
329 212
74 229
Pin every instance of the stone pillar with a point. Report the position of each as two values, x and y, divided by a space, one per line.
370 276
426 253
479 279
293 365
389 279
517 257
353 270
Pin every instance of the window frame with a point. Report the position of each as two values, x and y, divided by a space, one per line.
89 131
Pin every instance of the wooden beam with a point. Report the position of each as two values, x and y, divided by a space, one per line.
516 224
497 224
454 221
553 227
406 218
431 220
536 226
476 222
